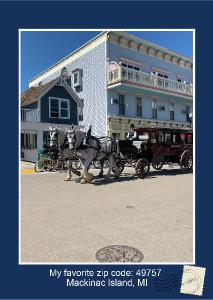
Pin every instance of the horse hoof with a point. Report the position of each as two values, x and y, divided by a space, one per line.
67 179
83 181
89 177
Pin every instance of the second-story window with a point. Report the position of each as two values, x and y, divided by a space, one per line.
59 108
160 74
154 109
77 78
130 66
121 104
172 111
139 106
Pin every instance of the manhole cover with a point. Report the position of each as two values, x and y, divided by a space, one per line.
119 253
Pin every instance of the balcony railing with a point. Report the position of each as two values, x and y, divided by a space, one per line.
149 80
29 115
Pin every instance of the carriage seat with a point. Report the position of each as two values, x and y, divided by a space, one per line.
137 144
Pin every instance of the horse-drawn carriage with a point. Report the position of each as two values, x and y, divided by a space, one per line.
153 146
156 147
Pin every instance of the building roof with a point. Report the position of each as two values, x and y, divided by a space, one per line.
149 44
61 63
32 94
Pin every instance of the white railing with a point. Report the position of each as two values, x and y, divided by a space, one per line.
122 73
29 115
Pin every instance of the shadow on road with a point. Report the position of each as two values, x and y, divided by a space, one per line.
104 181
125 177
167 172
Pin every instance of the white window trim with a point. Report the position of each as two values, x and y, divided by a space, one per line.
59 101
79 78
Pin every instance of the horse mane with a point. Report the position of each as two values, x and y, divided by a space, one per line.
79 135
61 136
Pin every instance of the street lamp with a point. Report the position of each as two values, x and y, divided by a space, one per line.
190 118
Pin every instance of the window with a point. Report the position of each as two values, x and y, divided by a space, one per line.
189 138
182 138
172 111
116 135
77 77
28 140
168 138
179 80
130 67
139 106
54 108
160 137
154 109
45 139
121 105
160 74
59 108
174 139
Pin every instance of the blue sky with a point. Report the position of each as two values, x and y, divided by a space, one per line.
40 50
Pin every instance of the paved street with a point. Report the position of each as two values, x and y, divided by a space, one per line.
69 222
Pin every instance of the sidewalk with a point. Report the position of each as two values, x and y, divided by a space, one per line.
27 167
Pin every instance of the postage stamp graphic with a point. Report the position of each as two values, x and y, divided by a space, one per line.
193 280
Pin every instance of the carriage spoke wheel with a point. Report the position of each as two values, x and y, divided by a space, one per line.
186 161
39 166
142 167
158 162
48 165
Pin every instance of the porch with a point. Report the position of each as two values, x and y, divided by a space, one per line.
129 76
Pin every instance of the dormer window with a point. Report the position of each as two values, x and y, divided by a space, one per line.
77 78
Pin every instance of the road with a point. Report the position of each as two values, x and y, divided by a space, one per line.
69 222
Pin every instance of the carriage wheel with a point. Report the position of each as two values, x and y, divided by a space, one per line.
186 161
158 162
39 166
48 165
120 164
142 167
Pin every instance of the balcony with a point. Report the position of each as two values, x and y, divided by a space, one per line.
125 75
29 115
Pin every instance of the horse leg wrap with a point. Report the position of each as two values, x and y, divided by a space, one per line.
68 178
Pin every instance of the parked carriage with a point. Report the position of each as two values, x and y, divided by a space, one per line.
157 147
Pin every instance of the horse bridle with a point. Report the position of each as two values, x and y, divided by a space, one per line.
55 138
74 147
